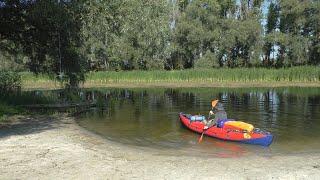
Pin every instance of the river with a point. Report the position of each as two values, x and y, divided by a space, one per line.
149 118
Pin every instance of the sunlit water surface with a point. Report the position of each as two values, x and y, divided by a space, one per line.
149 118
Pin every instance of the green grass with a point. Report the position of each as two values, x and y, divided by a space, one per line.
30 77
294 74
222 75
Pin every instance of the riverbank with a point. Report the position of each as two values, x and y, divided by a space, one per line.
56 147
50 85
304 76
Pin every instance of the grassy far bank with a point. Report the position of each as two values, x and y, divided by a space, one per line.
237 77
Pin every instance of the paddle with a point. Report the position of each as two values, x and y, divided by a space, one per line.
200 139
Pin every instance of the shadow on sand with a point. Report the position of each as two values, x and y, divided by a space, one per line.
28 125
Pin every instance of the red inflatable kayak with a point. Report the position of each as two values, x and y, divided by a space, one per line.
227 133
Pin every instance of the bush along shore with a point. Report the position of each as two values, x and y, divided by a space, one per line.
295 76
10 83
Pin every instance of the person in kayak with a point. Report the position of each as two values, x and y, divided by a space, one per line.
218 112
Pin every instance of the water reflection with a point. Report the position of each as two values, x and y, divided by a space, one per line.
149 117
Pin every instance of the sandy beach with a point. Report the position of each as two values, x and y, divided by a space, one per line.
55 147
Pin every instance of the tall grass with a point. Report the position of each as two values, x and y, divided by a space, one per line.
222 75
294 74
30 77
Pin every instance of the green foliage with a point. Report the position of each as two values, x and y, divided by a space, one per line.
209 60
11 57
126 34
48 34
9 82
217 26
255 75
205 75
298 22
66 39
100 29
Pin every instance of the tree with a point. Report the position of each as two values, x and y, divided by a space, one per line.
197 31
231 32
299 21
312 28
127 34
271 27
101 28
68 38
48 32
209 60
146 33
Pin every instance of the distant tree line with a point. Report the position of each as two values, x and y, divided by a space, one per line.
68 38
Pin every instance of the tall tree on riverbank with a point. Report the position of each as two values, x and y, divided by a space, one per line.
229 33
144 35
299 27
101 28
272 27
126 34
48 34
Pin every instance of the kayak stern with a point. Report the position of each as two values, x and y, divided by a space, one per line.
263 141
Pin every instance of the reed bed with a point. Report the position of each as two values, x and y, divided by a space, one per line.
302 74
294 74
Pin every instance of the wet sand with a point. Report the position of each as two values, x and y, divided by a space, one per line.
55 147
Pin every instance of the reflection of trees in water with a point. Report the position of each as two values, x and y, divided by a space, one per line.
177 98
269 107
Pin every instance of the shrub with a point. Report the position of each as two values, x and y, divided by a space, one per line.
9 82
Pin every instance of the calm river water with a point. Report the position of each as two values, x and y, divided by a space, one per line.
149 118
